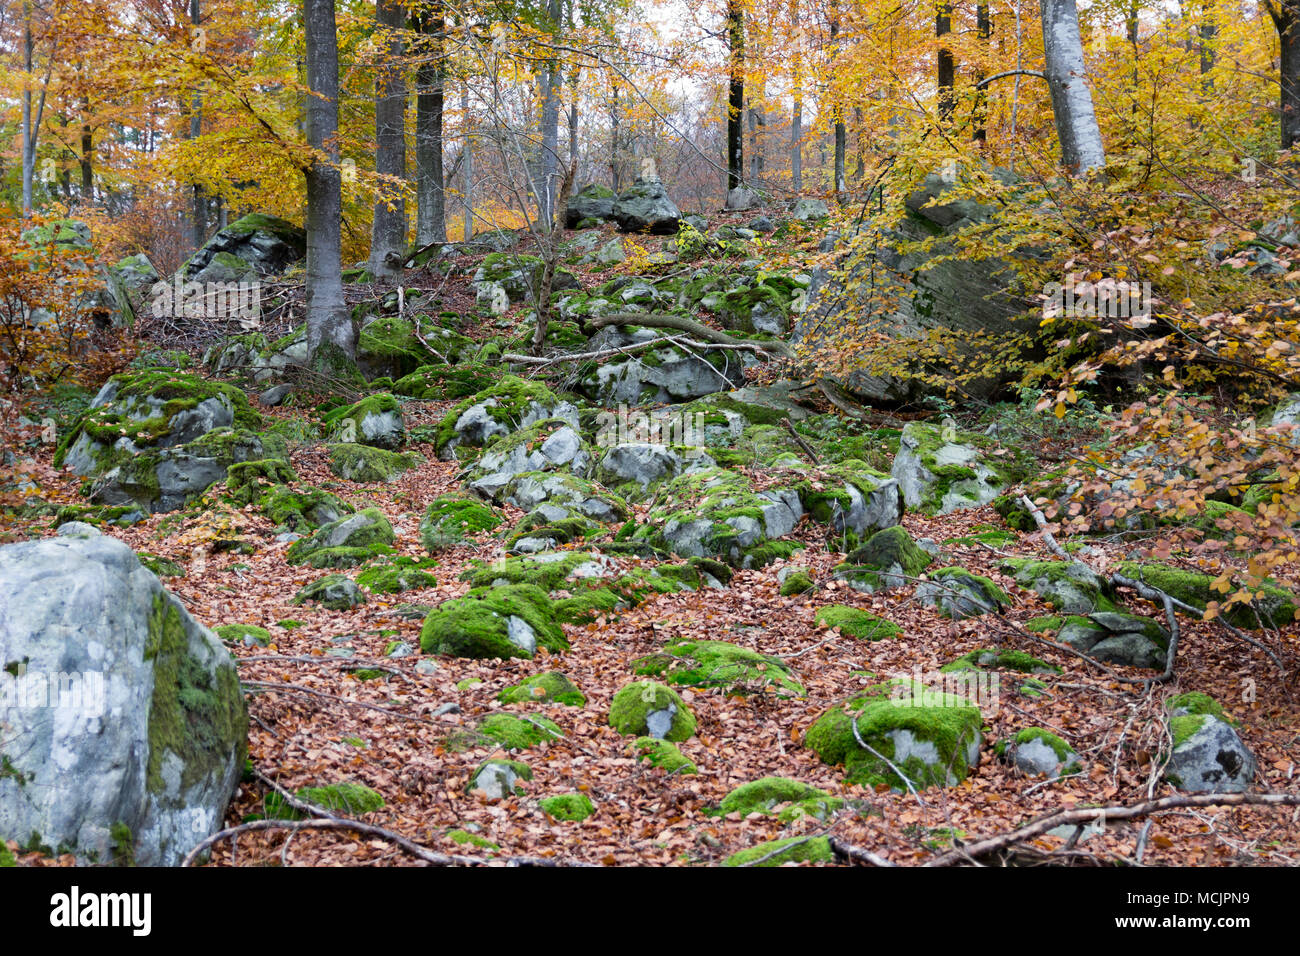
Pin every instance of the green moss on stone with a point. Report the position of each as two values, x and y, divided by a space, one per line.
548 687
791 850
634 703
568 807
863 625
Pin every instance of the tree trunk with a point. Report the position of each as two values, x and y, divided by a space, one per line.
388 231
837 111
198 203
796 114
1067 79
983 30
736 94
430 100
947 66
331 339
467 166
551 81
1286 17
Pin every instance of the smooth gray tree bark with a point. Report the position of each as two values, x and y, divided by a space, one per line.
1067 79
431 220
388 230
331 339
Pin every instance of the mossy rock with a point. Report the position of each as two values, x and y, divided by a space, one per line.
440 382
334 592
1069 586
545 688
1195 702
958 593
361 463
567 807
1036 750
767 794
790 850
249 481
304 509
509 404
505 622
799 582
498 778
548 571
932 737
404 574
662 754
161 567
891 549
646 708
346 542
514 732
450 520
243 634
376 421
1000 660
347 799
1271 605
722 666
862 625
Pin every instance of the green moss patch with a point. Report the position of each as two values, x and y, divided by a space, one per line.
545 688
778 852
567 807
635 707
479 624
720 665
662 754
863 625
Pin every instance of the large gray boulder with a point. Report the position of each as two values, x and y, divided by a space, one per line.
247 249
659 374
124 726
1208 756
645 207
592 202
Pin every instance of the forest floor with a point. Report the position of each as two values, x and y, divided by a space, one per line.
313 720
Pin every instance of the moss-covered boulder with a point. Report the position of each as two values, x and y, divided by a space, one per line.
1271 607
144 735
450 520
958 593
888 559
1039 752
438 382
648 709
804 849
498 779
1069 586
863 625
249 481
345 543
797 582
1000 660
301 510
252 246
518 732
391 345
334 592
248 635
769 795
941 469
160 438
1208 756
564 495
361 463
718 665
402 574
505 622
510 404
552 445
662 754
567 807
520 276
716 513
549 687
931 737
1117 638
854 499
376 421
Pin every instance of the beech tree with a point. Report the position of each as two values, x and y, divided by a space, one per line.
331 339
388 231
1067 78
